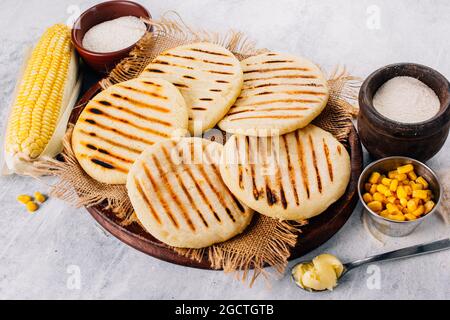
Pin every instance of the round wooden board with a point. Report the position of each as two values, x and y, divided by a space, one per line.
319 229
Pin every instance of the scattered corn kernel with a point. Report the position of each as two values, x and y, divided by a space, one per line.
39 197
376 206
420 211
412 175
32 206
373 189
386 181
374 177
24 198
367 197
401 177
410 217
403 202
405 169
394 185
429 205
421 194
422 181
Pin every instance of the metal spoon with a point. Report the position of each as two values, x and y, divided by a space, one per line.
393 255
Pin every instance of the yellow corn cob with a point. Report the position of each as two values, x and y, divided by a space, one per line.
42 96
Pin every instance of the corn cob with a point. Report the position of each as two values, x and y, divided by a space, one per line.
45 92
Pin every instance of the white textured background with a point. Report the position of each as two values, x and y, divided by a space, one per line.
36 251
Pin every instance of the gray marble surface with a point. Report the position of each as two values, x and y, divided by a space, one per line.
60 253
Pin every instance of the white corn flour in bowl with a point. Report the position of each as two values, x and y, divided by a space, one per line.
407 100
114 35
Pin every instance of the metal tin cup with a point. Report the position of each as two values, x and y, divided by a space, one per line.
398 228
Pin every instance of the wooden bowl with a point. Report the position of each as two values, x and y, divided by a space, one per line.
384 137
104 62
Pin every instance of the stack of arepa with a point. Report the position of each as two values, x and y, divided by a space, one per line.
191 192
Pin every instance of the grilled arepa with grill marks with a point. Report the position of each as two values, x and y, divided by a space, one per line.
123 120
281 93
209 77
179 197
291 177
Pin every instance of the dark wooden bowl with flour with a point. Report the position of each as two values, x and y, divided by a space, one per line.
385 137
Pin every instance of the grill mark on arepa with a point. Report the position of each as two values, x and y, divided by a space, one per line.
220 72
111 142
271 197
339 149
147 201
291 171
180 85
202 194
222 81
198 109
123 134
219 178
167 186
276 69
106 164
159 196
210 52
166 63
316 168
288 92
239 164
154 70
327 155
180 181
140 104
149 93
269 117
215 90
134 125
107 153
133 113
195 59
294 76
301 156
189 77
151 83
210 184
255 190
277 61
264 85
267 109
261 103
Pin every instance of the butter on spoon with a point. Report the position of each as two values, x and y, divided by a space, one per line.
325 271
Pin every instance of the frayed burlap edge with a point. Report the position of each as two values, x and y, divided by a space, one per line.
280 238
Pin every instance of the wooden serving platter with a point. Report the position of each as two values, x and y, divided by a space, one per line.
319 230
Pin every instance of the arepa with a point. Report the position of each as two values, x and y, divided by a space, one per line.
179 197
291 177
123 120
209 77
281 93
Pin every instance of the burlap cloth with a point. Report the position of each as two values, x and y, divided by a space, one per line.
266 241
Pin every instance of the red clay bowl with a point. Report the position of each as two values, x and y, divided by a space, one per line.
104 62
